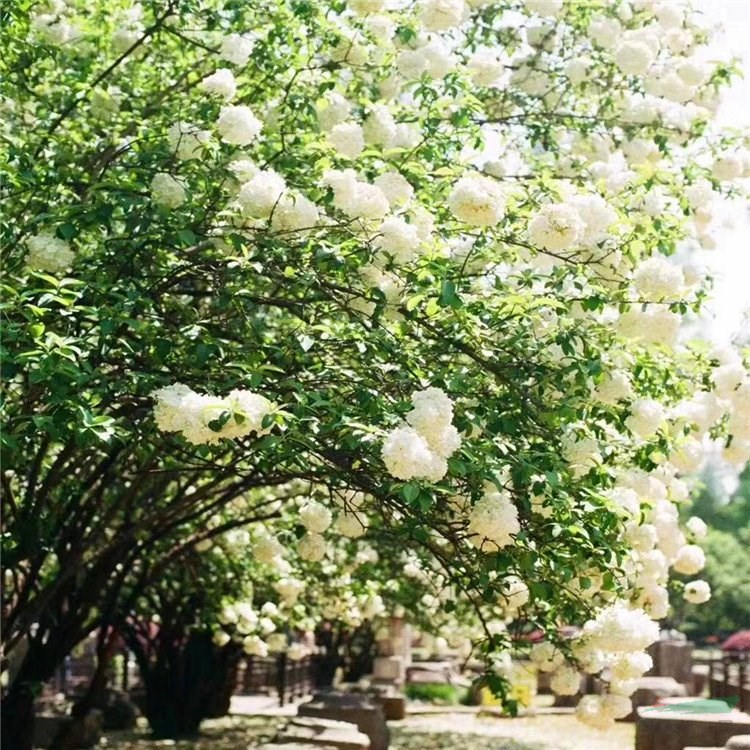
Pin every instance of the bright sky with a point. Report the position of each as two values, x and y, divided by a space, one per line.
730 262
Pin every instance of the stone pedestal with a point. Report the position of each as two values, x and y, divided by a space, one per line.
672 659
389 669
324 733
666 730
355 708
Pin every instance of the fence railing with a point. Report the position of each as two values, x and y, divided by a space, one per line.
729 677
287 678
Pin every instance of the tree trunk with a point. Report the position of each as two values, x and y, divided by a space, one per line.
190 680
18 717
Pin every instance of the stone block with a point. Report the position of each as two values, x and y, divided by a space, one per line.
667 730
327 733
739 742
394 706
389 668
356 708
672 659
652 689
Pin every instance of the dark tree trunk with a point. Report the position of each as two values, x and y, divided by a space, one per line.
190 680
18 717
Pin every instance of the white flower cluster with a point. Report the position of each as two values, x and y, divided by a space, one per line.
221 83
48 253
315 517
356 199
167 191
478 201
493 521
238 125
582 220
204 419
187 141
656 279
420 449
615 639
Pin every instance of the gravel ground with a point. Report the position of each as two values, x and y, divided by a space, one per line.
429 732
541 732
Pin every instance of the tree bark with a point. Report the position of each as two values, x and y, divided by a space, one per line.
18 717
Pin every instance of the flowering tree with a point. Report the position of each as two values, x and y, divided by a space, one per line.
424 255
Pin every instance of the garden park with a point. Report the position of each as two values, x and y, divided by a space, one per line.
358 385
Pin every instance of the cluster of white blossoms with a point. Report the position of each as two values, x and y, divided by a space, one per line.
354 197
478 201
222 83
493 520
582 220
205 419
421 448
48 253
613 644
167 191
238 125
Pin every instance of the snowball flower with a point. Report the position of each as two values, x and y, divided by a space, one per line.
315 516
407 455
397 238
347 139
478 201
697 527
254 645
440 15
619 629
334 109
220 638
238 125
267 549
546 656
48 253
167 191
312 547
236 49
515 593
727 167
259 195
485 67
379 127
631 666
556 226
358 200
634 57
566 681
690 560
656 279
493 521
365 7
546 8
591 711
614 386
646 416
697 592
395 187
294 212
187 140
351 525
221 83
655 325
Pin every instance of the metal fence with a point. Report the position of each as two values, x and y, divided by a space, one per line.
729 677
269 675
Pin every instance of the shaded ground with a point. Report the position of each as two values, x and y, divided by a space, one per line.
429 732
